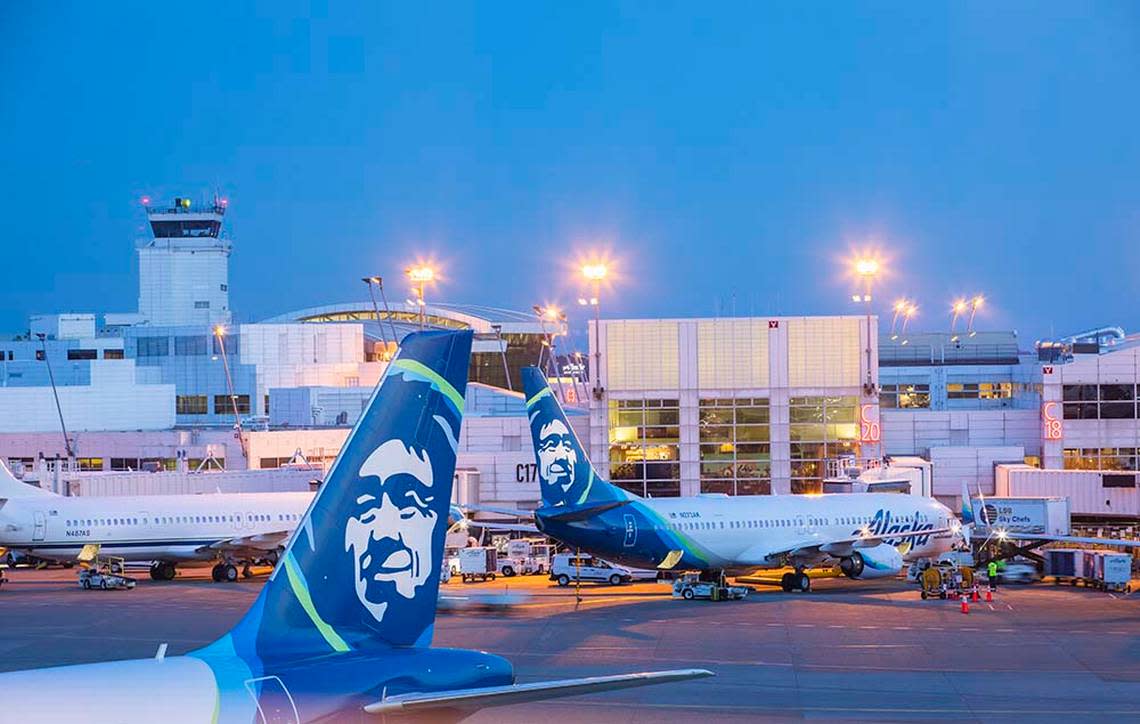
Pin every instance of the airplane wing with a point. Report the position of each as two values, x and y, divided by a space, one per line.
818 547
518 693
1068 539
259 543
495 525
513 512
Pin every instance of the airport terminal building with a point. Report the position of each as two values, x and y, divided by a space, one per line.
730 405
736 406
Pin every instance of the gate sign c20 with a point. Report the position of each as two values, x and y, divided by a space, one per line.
870 430
1051 421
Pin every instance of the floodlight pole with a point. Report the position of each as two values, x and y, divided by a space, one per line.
55 393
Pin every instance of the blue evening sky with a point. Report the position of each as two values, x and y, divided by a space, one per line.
723 153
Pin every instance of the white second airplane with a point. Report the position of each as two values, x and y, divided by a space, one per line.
230 529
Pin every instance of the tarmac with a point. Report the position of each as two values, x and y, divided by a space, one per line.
848 650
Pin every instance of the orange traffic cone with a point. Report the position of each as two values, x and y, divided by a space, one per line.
965 604
977 596
989 595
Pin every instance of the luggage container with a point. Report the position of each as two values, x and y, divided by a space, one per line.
1114 571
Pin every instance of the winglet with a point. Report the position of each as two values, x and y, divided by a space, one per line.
967 506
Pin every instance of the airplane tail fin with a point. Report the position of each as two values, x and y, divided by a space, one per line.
362 569
967 506
565 474
969 520
10 487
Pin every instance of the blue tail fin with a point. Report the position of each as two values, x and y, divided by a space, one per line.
362 569
967 506
565 474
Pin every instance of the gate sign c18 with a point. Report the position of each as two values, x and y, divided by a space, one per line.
870 430
1053 425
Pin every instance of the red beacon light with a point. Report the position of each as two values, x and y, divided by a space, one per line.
145 200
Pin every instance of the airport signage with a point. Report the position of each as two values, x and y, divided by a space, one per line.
870 429
1051 420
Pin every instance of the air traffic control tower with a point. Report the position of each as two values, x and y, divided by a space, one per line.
184 267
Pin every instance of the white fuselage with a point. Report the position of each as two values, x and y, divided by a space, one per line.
174 528
731 530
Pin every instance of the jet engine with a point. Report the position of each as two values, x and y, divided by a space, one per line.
879 562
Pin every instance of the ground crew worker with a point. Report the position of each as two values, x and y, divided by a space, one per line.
991 572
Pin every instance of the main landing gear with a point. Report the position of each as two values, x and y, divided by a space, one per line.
162 571
224 572
797 581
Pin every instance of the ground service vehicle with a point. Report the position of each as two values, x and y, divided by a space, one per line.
478 563
568 567
690 586
526 556
105 575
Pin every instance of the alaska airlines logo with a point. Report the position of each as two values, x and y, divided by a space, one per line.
390 532
883 525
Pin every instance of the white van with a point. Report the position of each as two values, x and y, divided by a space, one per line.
568 567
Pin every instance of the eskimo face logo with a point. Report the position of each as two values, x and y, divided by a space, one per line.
389 534
557 457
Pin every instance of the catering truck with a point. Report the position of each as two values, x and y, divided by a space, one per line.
1038 516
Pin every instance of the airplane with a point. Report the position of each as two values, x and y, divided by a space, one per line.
227 529
342 629
868 535
163 530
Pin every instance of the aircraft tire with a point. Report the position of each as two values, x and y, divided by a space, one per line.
787 582
216 573
803 583
229 573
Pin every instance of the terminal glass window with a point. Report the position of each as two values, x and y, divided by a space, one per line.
223 405
112 354
152 346
232 343
904 396
994 390
90 463
195 345
1104 402
736 455
190 405
820 428
645 446
1100 458
82 353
